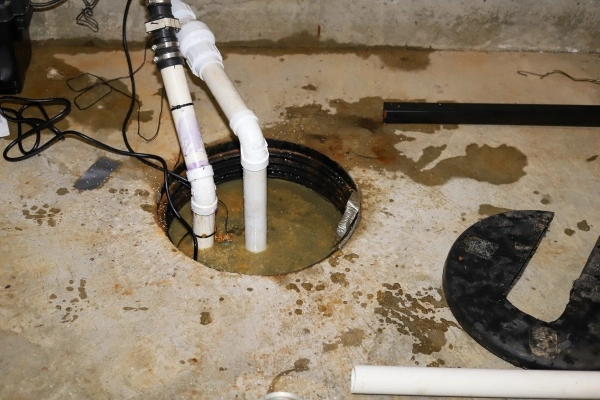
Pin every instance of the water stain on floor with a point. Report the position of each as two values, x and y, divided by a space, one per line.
355 136
69 304
107 113
415 315
304 43
300 365
42 214
205 318
583 226
350 338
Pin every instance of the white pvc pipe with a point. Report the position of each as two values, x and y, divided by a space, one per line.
464 382
255 209
199 172
254 154
197 44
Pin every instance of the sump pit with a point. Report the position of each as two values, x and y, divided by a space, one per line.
308 195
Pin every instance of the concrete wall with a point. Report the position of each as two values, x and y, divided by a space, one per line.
545 25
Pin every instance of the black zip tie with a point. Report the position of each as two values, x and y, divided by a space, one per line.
181 106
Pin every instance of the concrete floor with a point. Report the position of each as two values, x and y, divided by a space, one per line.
97 303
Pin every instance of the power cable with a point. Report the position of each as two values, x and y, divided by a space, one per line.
29 125
559 72
46 4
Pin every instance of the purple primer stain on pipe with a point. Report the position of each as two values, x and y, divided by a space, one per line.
190 140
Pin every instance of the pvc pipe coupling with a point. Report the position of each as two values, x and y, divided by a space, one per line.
197 43
182 11
199 184
253 149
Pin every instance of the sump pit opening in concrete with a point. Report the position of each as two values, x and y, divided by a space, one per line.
308 195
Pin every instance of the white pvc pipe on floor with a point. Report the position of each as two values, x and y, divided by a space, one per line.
199 171
197 44
464 382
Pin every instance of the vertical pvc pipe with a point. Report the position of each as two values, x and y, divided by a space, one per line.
255 156
255 209
197 43
464 382
199 171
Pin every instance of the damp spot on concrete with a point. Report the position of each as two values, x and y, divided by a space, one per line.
489 210
149 208
81 289
403 138
298 311
307 286
135 308
305 43
112 190
300 365
42 214
546 199
309 87
53 296
62 191
339 278
569 232
437 363
415 315
349 338
592 158
293 286
355 136
334 260
352 337
320 287
327 347
142 193
351 257
205 318
100 115
583 226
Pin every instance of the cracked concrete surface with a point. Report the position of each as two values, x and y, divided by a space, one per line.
95 302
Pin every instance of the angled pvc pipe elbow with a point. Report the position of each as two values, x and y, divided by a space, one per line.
197 44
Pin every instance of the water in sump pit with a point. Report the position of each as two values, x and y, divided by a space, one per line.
301 228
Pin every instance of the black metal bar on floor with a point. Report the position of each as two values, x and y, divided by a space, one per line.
491 114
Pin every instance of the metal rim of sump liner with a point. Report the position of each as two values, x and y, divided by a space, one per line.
289 161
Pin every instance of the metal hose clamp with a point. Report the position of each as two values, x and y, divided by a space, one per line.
156 2
166 56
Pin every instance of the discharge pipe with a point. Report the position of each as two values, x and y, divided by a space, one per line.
464 382
197 44
169 60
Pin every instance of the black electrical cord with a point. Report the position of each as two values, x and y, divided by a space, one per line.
37 125
126 122
30 125
46 4
103 82
226 223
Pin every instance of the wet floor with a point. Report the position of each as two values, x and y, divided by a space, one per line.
97 302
